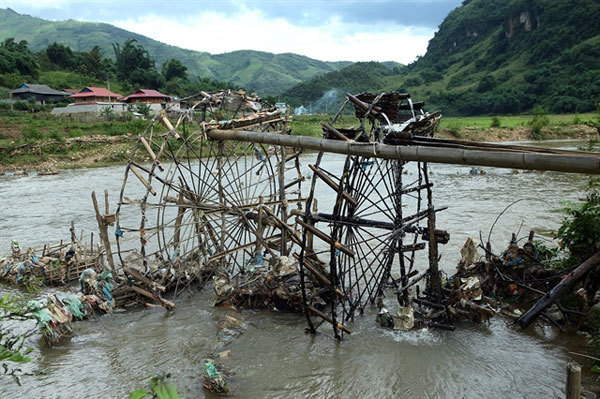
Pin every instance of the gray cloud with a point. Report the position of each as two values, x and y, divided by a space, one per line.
425 13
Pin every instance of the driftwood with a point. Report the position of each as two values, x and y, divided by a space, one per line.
562 288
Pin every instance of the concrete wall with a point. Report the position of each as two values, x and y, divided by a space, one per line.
117 108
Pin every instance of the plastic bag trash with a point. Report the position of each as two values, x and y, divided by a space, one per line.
222 286
74 305
471 288
404 318
384 319
283 266
213 379
468 252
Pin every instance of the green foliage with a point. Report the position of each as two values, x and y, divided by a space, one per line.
61 55
173 69
495 121
107 113
55 134
540 120
487 83
362 76
158 388
134 64
16 57
142 108
11 344
579 233
32 134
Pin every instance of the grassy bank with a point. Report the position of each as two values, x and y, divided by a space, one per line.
33 140
39 140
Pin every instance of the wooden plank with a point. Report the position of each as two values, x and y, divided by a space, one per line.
143 279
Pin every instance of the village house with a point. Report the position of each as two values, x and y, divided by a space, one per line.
43 94
91 95
147 96
71 91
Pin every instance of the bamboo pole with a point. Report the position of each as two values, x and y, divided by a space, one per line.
573 380
103 229
585 163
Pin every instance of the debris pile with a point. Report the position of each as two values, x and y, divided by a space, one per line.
277 285
214 378
51 265
515 284
55 316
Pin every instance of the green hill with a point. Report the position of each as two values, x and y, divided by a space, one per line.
498 57
329 89
266 73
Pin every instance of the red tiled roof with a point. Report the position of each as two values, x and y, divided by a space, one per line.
71 91
146 93
96 92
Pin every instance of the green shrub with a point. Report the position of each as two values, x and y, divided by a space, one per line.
75 133
21 106
580 230
32 134
55 134
495 121
107 113
540 119
143 109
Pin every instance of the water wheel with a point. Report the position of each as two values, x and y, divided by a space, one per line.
380 220
209 205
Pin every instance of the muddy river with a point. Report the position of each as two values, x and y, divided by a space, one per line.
273 358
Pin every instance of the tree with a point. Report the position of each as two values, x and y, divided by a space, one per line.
62 56
134 65
16 57
95 64
173 68
487 83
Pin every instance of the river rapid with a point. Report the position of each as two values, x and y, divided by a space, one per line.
115 354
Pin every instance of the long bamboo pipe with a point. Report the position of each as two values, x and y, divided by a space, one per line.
585 163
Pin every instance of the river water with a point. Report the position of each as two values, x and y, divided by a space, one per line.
111 356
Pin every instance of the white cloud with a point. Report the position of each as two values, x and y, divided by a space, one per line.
36 4
333 40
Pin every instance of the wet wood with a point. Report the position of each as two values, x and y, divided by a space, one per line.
319 276
326 238
138 276
327 180
103 230
333 131
329 319
573 387
564 287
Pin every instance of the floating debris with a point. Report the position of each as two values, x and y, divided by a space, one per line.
51 265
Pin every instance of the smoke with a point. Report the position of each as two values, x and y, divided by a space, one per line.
328 103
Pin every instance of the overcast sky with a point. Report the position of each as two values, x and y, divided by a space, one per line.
333 30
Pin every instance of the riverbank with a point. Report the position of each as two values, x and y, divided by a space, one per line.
41 142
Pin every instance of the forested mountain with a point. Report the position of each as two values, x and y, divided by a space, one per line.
496 57
264 72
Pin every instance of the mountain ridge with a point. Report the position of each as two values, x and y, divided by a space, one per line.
491 57
264 72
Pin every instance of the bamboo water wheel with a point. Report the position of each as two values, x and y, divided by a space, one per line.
382 220
208 205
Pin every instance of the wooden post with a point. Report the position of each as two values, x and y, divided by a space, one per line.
573 380
103 229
